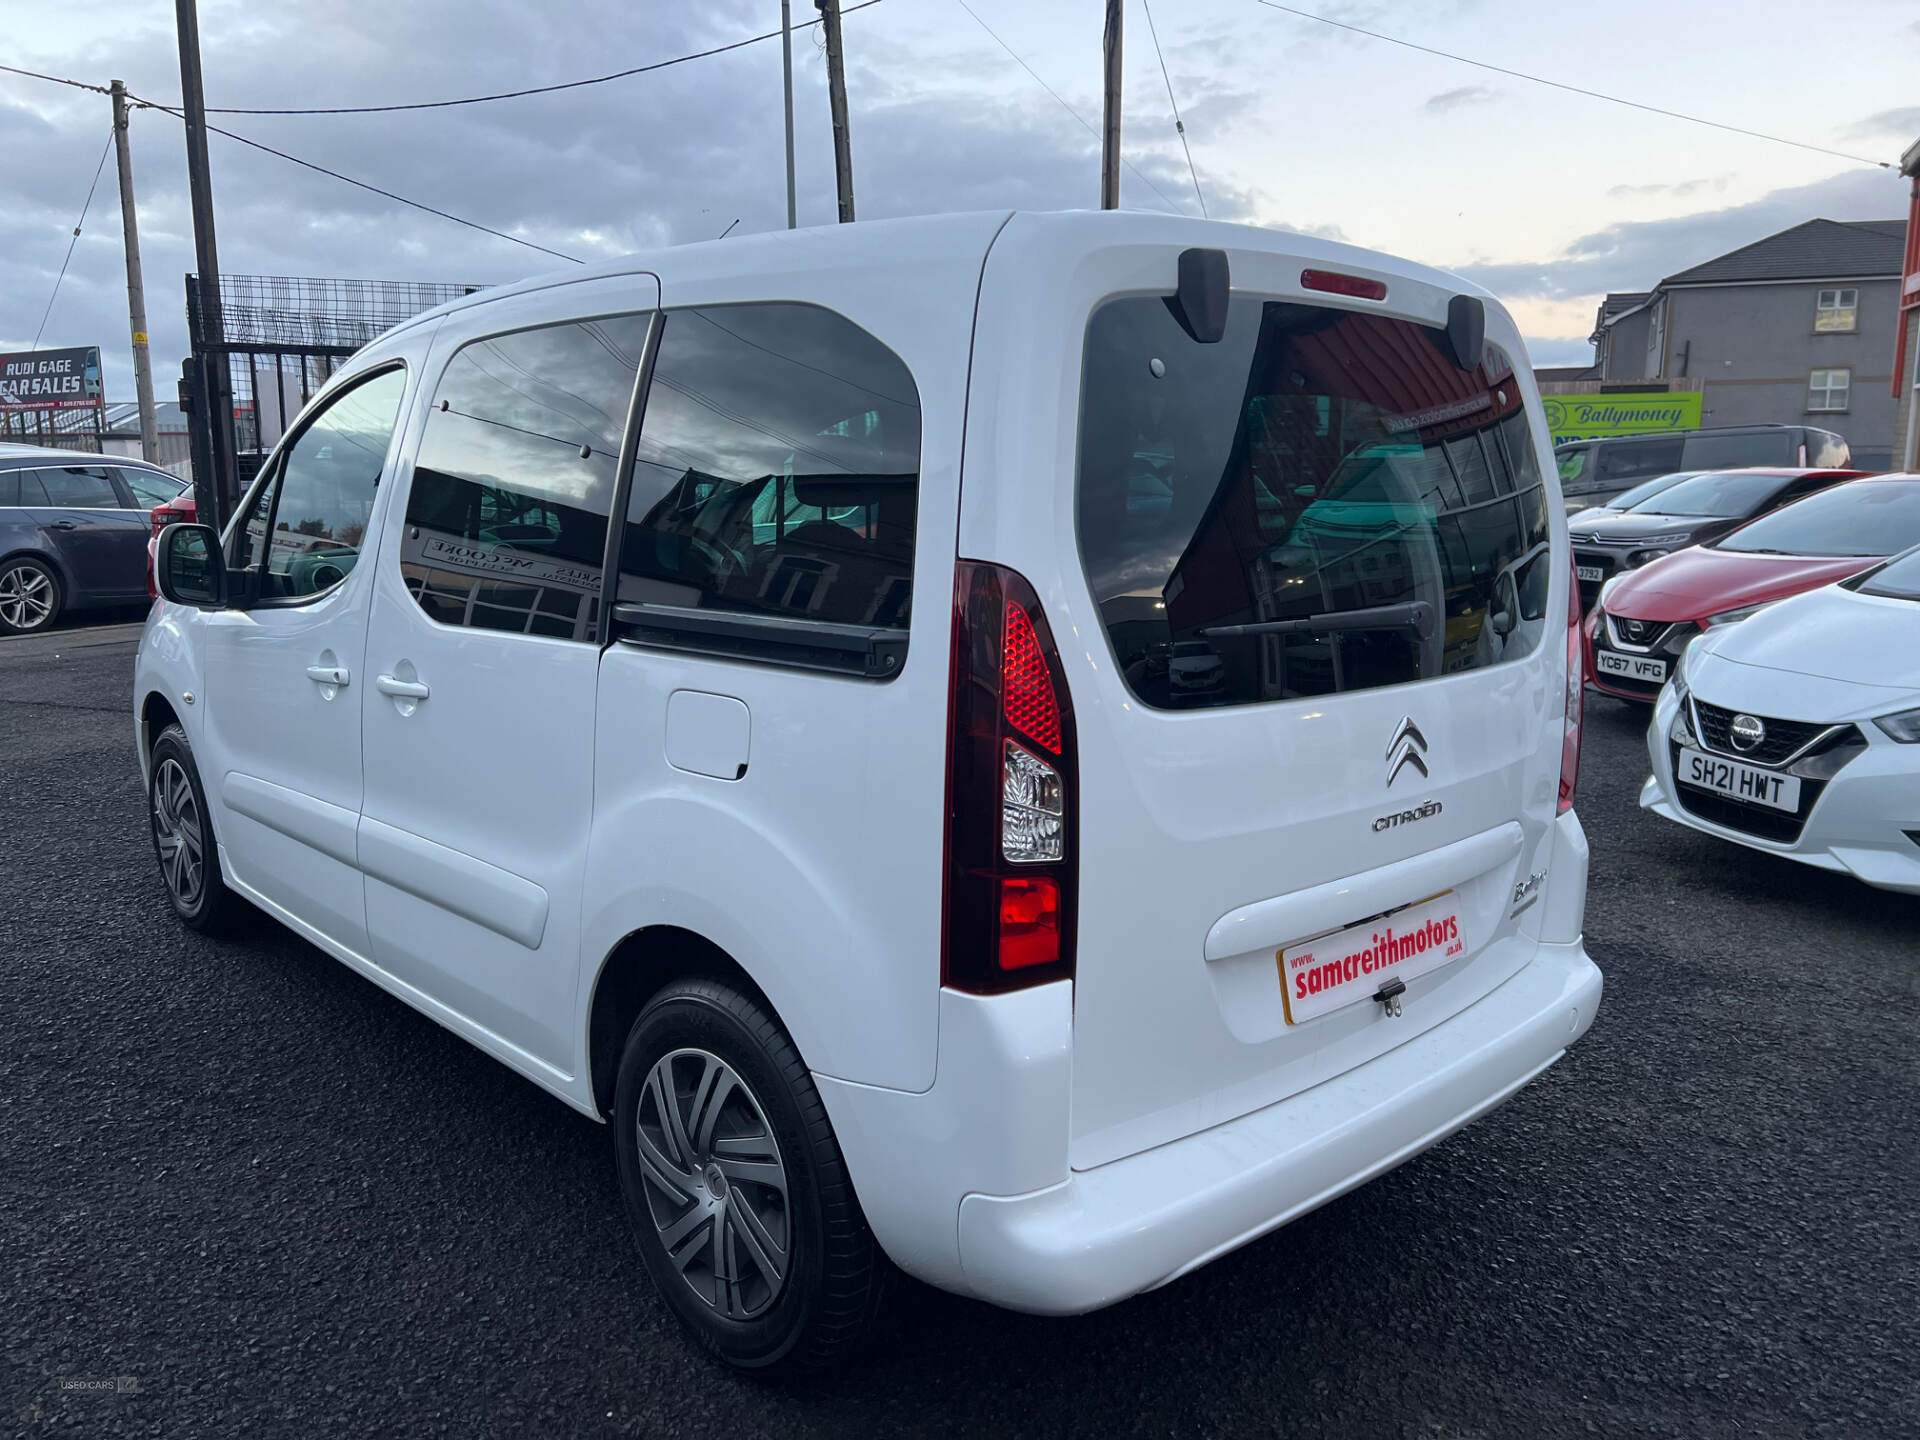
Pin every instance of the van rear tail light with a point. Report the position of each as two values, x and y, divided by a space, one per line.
1010 853
1334 283
1576 701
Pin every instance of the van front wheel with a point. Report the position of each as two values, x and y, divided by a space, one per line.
738 1194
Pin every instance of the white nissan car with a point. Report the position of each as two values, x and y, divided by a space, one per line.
917 726
1797 731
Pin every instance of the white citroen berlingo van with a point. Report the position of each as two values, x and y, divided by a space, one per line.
1032 749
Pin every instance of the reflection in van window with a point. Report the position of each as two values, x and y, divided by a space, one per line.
507 518
778 469
1314 462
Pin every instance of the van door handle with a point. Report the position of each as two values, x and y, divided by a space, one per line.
327 674
65 525
401 689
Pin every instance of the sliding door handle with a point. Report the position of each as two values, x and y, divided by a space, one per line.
328 674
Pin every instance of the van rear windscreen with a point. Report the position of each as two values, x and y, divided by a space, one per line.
1320 502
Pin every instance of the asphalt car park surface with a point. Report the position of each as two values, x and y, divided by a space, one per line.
281 1202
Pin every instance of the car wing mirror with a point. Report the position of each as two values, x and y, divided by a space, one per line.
188 568
1502 623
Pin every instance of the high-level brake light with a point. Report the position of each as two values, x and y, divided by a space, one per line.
1334 283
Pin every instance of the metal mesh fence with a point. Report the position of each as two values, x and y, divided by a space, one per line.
301 312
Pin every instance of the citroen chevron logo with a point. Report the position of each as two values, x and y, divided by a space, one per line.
1408 747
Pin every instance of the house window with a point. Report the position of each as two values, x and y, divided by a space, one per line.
1836 310
1827 389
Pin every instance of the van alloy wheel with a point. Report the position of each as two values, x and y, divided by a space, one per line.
716 1184
27 596
177 833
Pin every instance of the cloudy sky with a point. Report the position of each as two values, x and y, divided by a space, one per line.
1548 198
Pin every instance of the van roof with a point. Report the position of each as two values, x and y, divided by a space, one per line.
868 241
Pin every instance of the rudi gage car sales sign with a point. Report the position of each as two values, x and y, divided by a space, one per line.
51 379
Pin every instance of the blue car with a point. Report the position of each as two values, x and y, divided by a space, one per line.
73 532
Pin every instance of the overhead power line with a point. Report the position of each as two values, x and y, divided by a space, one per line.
375 189
1090 128
1179 125
56 79
77 226
1571 89
532 89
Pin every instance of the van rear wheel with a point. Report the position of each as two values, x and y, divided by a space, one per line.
739 1197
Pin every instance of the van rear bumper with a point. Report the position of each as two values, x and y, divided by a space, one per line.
1140 1222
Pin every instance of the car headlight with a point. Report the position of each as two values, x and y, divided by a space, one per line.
1903 727
1645 557
1729 617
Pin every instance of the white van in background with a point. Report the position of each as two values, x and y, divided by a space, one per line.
901 720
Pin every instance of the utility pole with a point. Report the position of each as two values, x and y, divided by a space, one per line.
786 72
837 98
136 289
1110 123
215 494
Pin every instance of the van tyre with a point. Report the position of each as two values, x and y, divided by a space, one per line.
739 1196
30 597
182 832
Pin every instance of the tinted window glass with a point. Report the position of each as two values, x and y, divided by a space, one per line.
1899 580
778 469
1631 459
1723 452
9 488
32 492
507 519
1576 465
311 520
1876 518
1312 464
1727 493
150 489
80 486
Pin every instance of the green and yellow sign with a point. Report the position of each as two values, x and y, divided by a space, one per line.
1585 417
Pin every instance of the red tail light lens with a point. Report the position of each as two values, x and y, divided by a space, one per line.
1029 921
1010 845
1576 701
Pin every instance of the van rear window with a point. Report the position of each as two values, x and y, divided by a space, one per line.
1320 502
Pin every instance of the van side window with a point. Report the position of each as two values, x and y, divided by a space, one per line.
507 518
310 519
778 469
1639 459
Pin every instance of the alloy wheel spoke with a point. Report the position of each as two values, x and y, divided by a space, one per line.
666 1104
683 1239
769 1173
770 1258
716 1085
677 1182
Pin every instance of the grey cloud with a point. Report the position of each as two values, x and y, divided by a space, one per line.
1678 188
1458 99
659 159
1903 124
1636 255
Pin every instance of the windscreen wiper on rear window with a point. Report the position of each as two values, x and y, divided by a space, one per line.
1414 614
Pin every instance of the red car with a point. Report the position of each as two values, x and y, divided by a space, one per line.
181 509
1645 618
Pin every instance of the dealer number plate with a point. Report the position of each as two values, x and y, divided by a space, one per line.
1739 782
